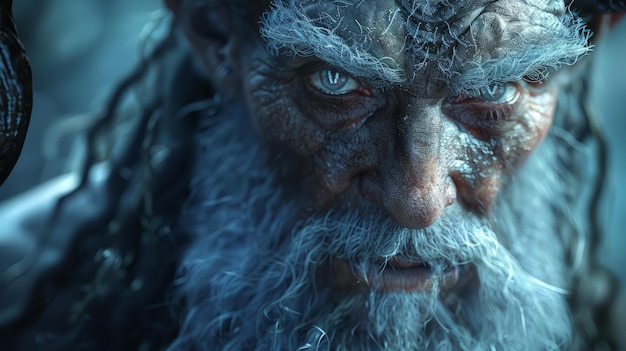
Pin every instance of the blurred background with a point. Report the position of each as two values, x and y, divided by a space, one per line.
79 49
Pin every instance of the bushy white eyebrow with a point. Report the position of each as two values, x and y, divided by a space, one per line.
561 45
288 30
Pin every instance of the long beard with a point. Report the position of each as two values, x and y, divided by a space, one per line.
253 278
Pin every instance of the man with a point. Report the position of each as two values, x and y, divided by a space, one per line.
327 175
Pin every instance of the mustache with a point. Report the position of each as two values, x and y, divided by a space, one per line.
366 237
250 276
368 241
458 237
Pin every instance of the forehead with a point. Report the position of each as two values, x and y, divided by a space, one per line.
467 42
377 27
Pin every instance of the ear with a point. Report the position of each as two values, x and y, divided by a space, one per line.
211 32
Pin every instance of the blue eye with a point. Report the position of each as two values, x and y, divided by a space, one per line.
496 93
333 82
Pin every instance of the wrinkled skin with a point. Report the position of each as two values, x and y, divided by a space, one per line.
411 150
387 127
412 156
356 175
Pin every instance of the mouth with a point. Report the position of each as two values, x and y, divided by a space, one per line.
397 275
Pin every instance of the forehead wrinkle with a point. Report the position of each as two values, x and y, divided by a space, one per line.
288 29
519 40
473 44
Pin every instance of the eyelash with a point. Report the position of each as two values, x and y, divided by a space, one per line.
336 111
483 119
493 114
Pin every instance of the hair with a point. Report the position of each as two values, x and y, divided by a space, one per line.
150 112
440 40
248 279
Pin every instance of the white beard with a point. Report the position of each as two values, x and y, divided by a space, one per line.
251 275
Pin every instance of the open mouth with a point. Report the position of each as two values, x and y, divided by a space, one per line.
398 275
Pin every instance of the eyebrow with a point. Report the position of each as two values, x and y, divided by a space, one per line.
560 45
288 31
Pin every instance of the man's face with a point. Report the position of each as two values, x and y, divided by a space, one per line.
411 146
361 113
395 132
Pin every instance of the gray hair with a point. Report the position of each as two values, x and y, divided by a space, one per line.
435 37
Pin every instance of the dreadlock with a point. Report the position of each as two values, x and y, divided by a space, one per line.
138 145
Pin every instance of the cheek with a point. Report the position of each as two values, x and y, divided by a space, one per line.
276 116
542 111
479 175
529 129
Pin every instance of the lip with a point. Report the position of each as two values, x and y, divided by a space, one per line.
399 275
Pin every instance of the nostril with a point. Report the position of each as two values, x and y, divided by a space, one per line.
418 206
370 185
415 212
411 206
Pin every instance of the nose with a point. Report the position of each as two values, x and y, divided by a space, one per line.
416 186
